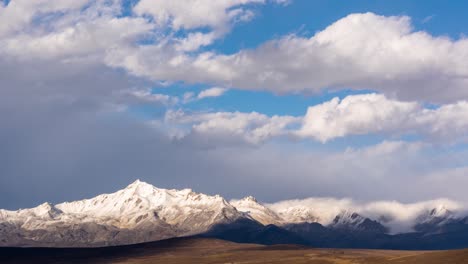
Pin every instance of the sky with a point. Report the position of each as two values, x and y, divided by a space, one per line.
279 99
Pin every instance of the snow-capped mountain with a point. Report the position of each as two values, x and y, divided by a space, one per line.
348 218
353 221
437 215
280 215
141 212
138 213
257 211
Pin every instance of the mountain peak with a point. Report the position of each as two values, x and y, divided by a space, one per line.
347 218
45 209
353 221
256 210
249 199
140 188
440 211
138 183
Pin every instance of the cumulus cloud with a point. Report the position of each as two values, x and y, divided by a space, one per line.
357 114
58 80
375 113
71 145
15 15
359 51
83 29
218 17
353 115
99 30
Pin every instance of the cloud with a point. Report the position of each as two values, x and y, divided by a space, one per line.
84 29
147 96
15 15
207 93
211 92
362 114
72 33
356 114
359 51
161 41
194 14
375 113
63 90
234 127
400 217
73 143
428 19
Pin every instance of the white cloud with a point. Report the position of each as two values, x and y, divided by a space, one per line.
55 76
189 14
252 128
446 123
83 39
211 92
194 41
375 113
19 13
360 51
400 217
353 115
147 96
68 30
357 114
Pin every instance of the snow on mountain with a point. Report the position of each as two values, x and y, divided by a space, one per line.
435 220
401 218
257 211
141 212
138 213
310 210
437 214
352 221
347 219
132 204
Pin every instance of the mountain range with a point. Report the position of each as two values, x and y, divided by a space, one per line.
142 213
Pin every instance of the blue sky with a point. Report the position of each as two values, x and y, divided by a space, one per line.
277 99
305 18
